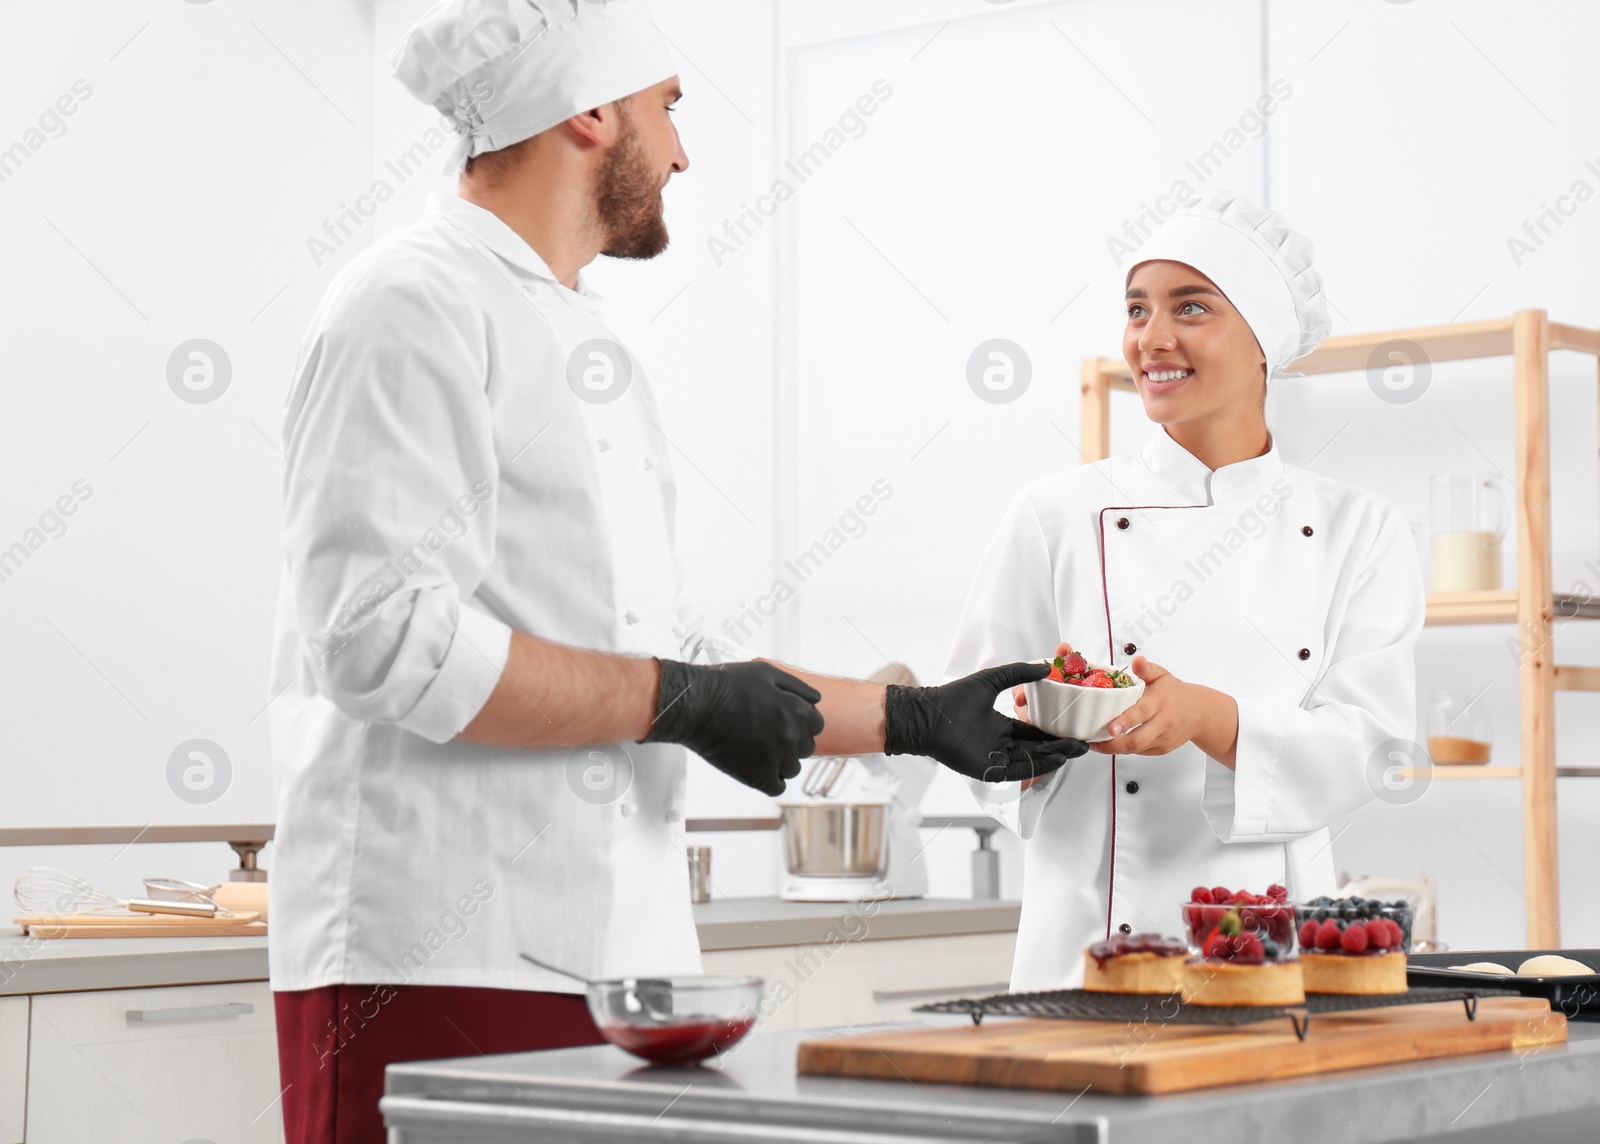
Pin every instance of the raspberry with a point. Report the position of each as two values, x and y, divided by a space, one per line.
1200 894
1250 949
1074 664
1308 936
1328 935
1281 893
1391 937
1221 895
1355 938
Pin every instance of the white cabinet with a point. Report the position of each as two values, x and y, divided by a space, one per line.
154 1066
861 982
13 1067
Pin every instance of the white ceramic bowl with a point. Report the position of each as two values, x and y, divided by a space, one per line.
1069 711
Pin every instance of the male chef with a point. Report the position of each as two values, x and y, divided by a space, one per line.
488 673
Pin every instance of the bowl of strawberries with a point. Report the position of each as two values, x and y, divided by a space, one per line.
1079 699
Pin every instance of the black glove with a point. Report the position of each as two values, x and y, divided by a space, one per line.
748 720
958 725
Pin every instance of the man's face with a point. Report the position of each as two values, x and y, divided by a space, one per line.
635 168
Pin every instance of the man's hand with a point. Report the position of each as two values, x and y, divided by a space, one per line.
749 720
958 725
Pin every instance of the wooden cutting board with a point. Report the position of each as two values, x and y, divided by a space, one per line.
126 923
1151 1058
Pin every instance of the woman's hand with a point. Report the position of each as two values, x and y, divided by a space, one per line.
1171 713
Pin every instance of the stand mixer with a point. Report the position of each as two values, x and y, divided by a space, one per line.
854 833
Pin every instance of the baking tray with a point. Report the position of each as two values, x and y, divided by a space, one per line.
1577 997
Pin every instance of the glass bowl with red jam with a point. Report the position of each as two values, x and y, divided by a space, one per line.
675 1020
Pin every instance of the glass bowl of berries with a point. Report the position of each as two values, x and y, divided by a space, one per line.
1238 925
1079 699
1345 925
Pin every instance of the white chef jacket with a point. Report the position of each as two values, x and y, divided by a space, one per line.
1300 597
445 484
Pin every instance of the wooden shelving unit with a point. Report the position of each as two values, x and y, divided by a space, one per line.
1527 337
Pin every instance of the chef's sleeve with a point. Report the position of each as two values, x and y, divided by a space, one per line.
389 504
1299 768
1010 615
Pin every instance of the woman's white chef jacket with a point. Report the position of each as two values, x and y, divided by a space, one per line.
450 479
1300 597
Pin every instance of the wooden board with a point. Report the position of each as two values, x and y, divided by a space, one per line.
1149 1058
125 923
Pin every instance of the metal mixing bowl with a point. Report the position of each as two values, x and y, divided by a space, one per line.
835 839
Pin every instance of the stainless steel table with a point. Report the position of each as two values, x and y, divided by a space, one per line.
603 1096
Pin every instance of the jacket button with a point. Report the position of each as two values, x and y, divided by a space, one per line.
1124 928
1132 787
631 617
1305 653
604 444
650 462
1129 649
1122 522
1305 530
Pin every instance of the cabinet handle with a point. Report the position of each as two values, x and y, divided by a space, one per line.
192 1012
946 991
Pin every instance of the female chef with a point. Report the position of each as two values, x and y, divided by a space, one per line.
1272 613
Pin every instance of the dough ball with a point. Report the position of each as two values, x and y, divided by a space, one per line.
1552 965
1483 967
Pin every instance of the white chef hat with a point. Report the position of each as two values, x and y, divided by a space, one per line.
1260 262
504 70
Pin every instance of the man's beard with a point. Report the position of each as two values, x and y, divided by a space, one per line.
628 200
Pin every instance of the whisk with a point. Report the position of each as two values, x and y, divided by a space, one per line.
46 890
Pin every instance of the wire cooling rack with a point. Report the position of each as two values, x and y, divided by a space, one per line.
1085 1005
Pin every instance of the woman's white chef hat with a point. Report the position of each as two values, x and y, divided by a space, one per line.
1260 262
504 70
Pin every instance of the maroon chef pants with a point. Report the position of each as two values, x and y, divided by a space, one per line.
334 1042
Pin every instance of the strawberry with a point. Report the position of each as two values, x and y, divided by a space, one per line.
1200 894
1308 935
1098 678
1328 935
1355 938
1073 663
1055 676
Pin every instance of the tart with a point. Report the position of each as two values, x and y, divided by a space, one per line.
1240 965
1353 946
1137 963
1207 981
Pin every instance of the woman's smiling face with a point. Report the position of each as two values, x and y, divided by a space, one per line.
1191 353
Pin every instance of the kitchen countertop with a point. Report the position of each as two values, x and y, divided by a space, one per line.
746 923
603 1094
73 964
70 965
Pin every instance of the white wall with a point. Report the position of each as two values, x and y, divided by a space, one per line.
826 352
175 205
